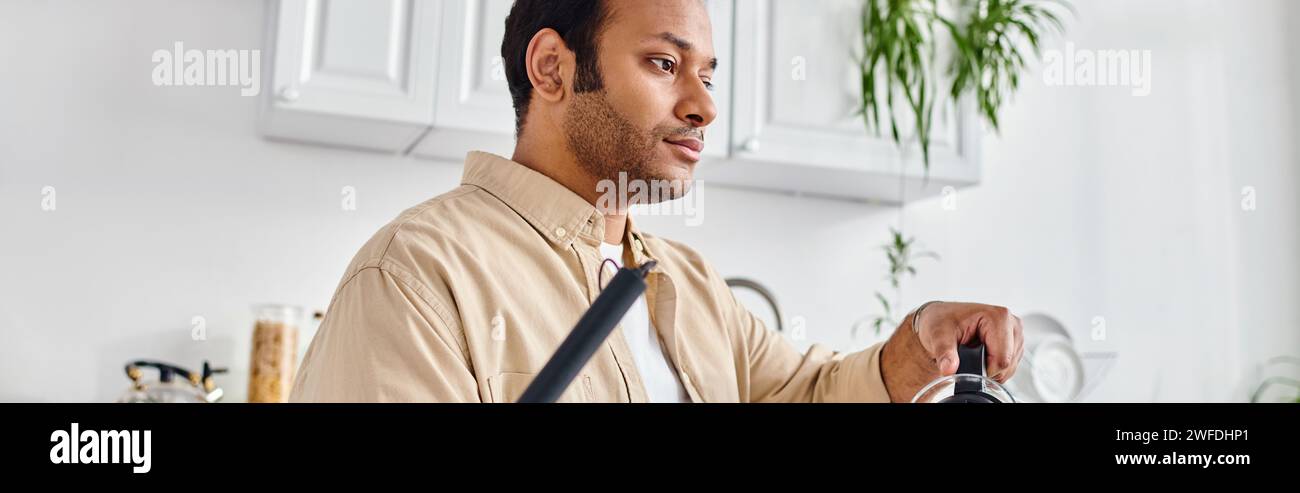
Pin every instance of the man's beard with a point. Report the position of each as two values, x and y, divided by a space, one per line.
605 143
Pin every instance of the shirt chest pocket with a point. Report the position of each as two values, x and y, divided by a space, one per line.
508 387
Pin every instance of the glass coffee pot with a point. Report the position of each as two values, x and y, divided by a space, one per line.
968 386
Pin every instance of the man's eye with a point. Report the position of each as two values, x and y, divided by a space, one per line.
664 64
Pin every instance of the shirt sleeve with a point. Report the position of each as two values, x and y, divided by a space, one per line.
384 341
780 373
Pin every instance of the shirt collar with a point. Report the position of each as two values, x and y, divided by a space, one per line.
636 239
557 213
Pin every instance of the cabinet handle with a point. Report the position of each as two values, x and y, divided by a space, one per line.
288 94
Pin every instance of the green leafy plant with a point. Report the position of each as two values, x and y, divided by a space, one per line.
900 48
901 252
990 60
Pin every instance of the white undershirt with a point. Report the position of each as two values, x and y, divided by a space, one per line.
661 383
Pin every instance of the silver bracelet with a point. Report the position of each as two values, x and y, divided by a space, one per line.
916 316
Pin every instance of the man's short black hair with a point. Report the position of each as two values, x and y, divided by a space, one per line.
578 22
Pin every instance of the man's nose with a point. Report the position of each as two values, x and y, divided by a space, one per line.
697 105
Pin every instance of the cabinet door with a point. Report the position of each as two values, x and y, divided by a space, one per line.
474 109
718 135
797 92
354 72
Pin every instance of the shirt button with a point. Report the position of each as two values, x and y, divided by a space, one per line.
560 232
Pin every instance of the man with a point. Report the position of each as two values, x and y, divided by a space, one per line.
465 297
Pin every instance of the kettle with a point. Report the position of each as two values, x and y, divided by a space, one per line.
190 387
968 386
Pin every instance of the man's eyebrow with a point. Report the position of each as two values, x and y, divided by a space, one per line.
684 45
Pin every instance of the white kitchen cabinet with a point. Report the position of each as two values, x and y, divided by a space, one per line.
353 73
474 110
425 77
795 127
718 136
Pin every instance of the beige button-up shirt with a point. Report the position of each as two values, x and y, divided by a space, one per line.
464 298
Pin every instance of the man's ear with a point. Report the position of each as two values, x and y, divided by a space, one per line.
550 63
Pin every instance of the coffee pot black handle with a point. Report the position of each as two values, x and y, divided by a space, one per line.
970 361
969 385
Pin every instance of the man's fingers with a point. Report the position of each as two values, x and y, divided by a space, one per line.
1000 331
947 363
1010 371
996 327
942 347
940 341
1015 362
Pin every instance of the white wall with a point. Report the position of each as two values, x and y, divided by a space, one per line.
1263 65
1095 203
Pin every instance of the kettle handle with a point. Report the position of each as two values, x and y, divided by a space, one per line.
970 360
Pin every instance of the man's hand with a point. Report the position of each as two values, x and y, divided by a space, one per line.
914 357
